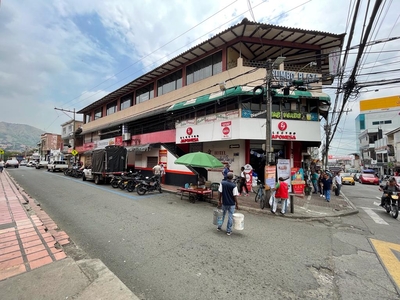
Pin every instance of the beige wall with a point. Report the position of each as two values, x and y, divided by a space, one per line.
181 94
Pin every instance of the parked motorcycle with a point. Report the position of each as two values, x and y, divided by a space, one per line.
115 179
391 203
132 182
149 185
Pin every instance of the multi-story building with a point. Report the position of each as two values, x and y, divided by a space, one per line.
393 149
70 135
213 98
377 117
49 142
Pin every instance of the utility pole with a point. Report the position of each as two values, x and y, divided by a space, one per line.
73 126
268 126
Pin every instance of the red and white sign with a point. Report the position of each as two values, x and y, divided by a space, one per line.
283 133
226 129
282 125
189 137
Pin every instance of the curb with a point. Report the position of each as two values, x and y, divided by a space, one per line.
289 215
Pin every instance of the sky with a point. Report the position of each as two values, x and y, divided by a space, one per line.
67 53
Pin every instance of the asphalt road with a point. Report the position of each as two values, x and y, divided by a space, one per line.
162 247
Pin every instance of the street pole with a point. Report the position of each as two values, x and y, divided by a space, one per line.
268 126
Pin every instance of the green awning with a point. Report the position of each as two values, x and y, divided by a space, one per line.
296 94
230 92
247 90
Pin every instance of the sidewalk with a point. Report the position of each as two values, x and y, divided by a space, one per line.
305 207
32 262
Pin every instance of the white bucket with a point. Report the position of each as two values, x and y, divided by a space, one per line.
238 221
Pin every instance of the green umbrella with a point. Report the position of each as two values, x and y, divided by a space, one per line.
199 159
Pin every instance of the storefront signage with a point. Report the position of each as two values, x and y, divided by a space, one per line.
226 128
234 146
290 75
190 137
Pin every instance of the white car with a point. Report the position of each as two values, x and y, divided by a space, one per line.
57 165
31 163
11 163
42 164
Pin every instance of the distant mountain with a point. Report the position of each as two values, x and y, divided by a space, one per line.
18 137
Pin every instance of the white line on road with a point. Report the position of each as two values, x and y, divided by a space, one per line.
377 219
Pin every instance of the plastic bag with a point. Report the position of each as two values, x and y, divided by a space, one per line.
271 200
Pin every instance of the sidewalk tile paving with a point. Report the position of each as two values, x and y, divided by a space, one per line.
27 241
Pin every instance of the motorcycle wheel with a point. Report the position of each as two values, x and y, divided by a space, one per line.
130 187
395 212
159 189
388 208
141 190
114 183
121 185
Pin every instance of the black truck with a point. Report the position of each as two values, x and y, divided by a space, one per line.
107 162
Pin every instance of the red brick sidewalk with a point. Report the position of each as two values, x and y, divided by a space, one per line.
28 240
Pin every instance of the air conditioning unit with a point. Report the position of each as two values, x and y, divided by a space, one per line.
126 136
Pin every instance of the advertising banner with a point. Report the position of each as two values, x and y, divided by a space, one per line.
283 170
270 176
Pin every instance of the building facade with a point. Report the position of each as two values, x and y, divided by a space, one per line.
214 98
377 118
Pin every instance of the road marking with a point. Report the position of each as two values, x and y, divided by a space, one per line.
385 251
377 203
374 216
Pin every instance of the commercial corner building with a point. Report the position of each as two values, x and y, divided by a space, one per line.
378 129
212 98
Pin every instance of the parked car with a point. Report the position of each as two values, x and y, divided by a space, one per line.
368 178
42 164
11 163
347 179
57 165
23 163
31 163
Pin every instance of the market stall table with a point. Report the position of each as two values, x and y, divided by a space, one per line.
195 193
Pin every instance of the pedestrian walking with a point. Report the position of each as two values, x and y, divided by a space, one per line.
228 193
314 181
243 184
1 165
225 171
281 194
338 183
327 185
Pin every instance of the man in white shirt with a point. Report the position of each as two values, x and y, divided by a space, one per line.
338 182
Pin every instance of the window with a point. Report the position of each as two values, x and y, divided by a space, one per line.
204 68
111 108
98 113
145 93
64 130
382 122
126 101
169 83
88 118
